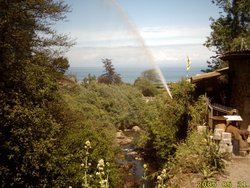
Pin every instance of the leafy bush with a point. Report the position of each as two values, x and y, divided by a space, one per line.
146 87
95 112
166 121
198 112
194 153
87 121
122 105
197 155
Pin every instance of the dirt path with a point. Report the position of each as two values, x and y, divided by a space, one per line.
237 173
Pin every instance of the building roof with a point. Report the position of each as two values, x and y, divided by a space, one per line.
216 73
236 55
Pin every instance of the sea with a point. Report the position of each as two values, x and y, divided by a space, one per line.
130 74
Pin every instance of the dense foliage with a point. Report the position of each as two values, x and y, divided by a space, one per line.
231 31
30 104
89 120
198 157
146 87
55 133
167 121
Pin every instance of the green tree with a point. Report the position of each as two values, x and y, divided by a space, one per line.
151 75
30 104
60 65
231 31
110 76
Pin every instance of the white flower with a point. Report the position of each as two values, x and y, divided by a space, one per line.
107 163
88 144
100 168
101 162
164 171
159 177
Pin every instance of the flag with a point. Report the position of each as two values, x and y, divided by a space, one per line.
188 63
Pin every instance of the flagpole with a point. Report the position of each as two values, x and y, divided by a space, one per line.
188 66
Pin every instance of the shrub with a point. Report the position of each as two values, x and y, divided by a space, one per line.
197 155
146 87
198 112
166 121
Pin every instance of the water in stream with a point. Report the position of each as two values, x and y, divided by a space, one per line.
132 164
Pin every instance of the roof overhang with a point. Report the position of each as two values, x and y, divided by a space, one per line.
208 75
236 55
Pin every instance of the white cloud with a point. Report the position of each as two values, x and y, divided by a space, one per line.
166 44
103 38
135 56
92 56
153 36
174 35
177 31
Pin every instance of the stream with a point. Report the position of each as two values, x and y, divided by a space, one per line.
132 162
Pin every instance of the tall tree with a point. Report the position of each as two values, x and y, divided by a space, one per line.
110 76
30 54
231 31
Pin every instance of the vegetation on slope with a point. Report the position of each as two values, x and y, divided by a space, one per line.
47 128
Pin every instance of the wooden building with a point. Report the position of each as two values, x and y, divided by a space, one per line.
239 83
213 84
230 86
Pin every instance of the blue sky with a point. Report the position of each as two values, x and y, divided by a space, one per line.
118 29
